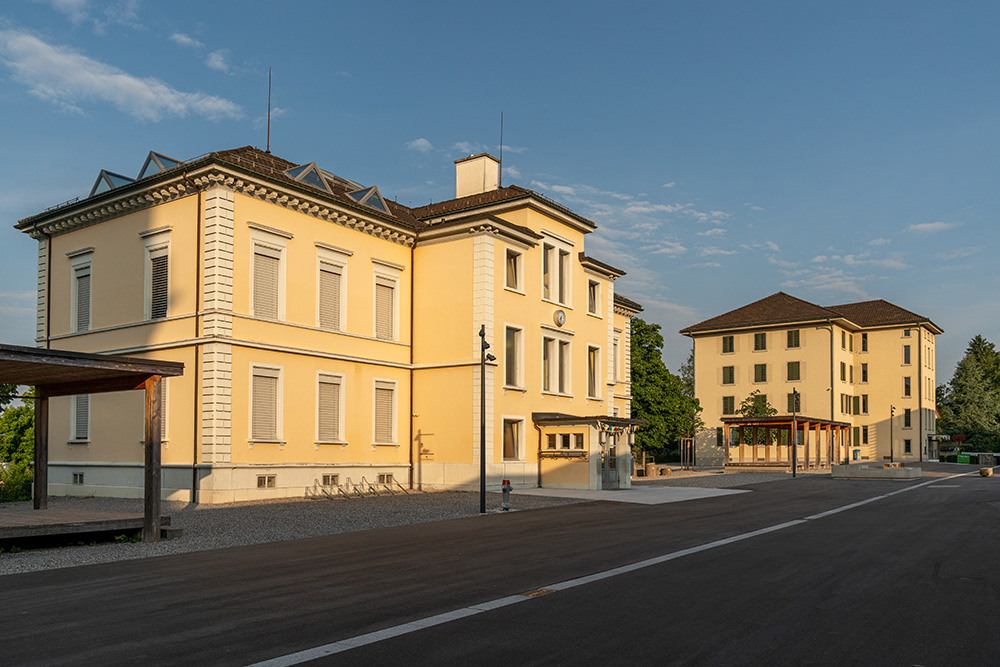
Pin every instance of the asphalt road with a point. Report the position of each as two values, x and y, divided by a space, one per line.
906 579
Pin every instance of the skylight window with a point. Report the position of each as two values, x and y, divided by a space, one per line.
369 197
309 174
108 180
155 163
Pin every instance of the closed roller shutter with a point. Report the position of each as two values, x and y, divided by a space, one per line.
81 425
383 309
329 409
329 297
265 286
265 408
83 300
383 412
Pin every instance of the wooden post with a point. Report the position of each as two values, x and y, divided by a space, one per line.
151 517
41 492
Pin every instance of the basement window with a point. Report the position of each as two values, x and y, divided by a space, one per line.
78 478
385 478
331 480
265 481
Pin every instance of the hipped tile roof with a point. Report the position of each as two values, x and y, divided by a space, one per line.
781 308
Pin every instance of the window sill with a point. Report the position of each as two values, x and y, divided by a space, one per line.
280 443
556 303
510 387
596 316
556 394
78 442
508 288
341 443
384 444
595 398
559 453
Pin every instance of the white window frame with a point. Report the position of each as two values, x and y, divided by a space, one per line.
157 244
520 444
389 274
268 370
564 365
81 263
595 287
518 357
395 412
272 245
74 437
561 272
328 377
595 381
336 259
518 287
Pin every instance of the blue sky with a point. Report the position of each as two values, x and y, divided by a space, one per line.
838 152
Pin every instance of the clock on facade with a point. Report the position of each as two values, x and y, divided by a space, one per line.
560 317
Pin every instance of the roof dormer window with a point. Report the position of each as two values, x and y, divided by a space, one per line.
108 180
370 197
155 163
309 174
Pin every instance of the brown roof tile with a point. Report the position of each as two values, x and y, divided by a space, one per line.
781 308
879 313
775 309
508 193
627 303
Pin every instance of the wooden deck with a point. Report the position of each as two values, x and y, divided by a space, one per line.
16 524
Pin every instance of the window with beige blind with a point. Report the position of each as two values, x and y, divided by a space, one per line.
513 432
329 408
266 282
385 412
513 356
157 272
330 296
265 408
593 372
385 308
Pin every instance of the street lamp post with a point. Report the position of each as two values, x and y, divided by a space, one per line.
892 415
483 356
795 430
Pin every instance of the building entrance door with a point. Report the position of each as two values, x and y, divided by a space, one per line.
609 462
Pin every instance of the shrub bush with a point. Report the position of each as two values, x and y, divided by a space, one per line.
15 483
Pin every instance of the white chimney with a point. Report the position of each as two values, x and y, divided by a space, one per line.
476 174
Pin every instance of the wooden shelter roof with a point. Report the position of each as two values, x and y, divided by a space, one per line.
780 420
64 373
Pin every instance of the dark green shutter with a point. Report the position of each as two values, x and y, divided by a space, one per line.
718 436
857 436
857 405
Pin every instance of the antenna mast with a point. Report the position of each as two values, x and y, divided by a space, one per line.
268 150
500 178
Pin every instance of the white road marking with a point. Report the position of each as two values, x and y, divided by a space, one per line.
311 654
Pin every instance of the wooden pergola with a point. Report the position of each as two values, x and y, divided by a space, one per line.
61 373
766 441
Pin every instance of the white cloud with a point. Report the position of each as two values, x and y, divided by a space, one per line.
469 147
670 248
819 258
74 10
18 295
715 231
958 253
753 207
217 60
706 265
930 227
563 189
771 245
705 252
513 149
785 264
668 185
65 78
421 145
512 172
184 40
879 242
260 122
646 207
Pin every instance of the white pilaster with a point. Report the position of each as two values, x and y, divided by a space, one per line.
483 295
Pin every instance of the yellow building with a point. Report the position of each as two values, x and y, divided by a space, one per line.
868 365
331 336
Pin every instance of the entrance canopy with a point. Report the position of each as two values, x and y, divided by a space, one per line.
62 373
770 440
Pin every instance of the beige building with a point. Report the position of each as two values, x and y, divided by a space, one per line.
330 335
868 366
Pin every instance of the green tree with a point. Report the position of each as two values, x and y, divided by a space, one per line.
756 405
687 374
17 450
658 396
7 394
970 403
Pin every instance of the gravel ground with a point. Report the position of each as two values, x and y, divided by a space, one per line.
240 524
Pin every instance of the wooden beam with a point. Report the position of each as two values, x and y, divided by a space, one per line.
151 518
122 383
41 492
